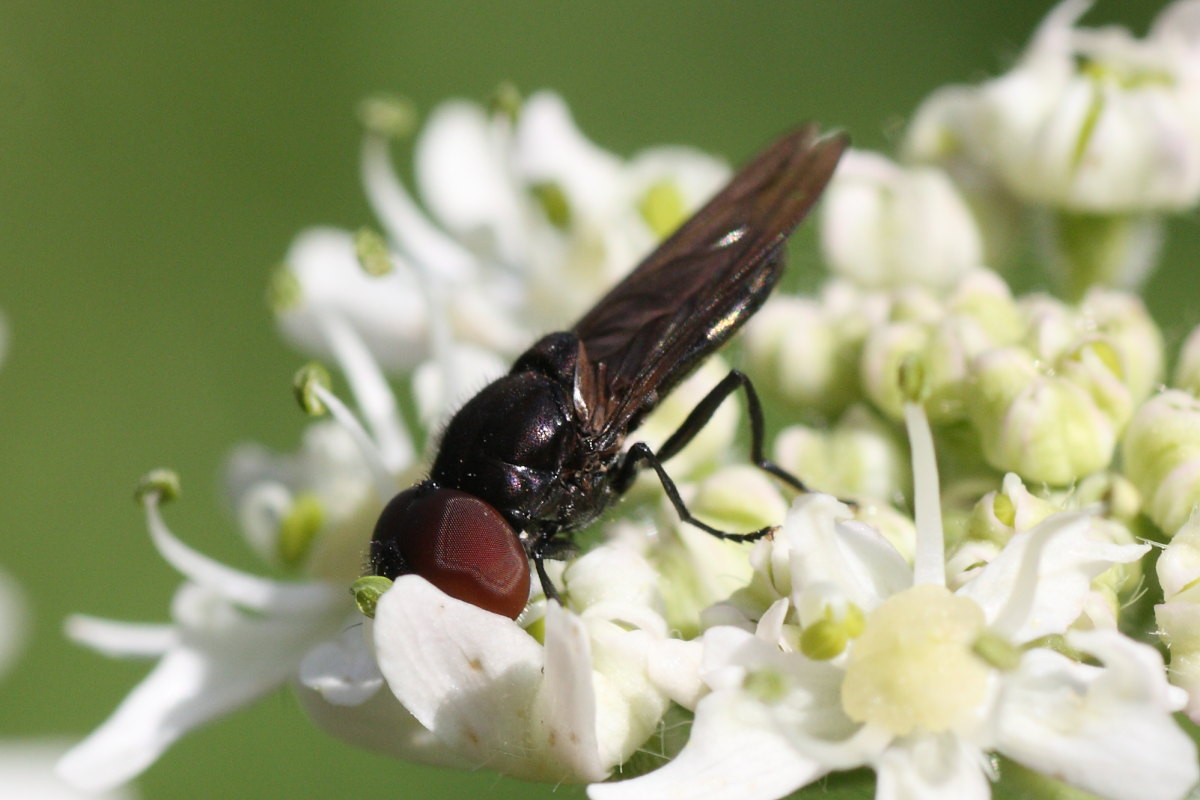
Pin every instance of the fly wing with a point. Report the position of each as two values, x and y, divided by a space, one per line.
701 284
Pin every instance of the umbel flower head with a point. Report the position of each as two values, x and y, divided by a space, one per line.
570 693
937 633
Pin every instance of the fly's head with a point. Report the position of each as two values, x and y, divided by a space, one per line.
457 542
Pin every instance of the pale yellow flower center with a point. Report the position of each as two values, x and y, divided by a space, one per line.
913 667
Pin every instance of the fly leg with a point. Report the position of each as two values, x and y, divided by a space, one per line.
547 585
701 414
641 452
553 547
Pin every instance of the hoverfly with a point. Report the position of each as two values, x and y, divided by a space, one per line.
539 452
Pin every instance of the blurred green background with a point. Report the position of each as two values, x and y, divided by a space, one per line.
157 160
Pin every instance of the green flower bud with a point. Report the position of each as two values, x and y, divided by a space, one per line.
1187 371
859 457
799 351
1045 427
1161 452
1122 320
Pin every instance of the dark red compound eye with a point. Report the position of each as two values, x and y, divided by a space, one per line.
457 542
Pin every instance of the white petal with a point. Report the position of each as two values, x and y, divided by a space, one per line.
550 148
931 767
14 622
240 588
566 701
468 675
735 752
423 242
464 181
389 312
826 547
342 670
121 639
27 773
441 387
224 659
674 667
1039 582
1105 730
382 725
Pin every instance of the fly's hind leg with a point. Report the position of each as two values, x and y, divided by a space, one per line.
700 416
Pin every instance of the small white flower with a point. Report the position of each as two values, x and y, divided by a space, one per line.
234 638
569 710
530 222
1094 120
862 660
885 226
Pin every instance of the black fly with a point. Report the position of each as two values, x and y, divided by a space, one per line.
538 453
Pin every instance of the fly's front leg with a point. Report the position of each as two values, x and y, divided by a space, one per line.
554 547
700 416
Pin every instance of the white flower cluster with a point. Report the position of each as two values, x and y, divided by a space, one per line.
942 630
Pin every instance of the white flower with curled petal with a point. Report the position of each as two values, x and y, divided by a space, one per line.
528 223
1095 120
569 707
840 655
235 636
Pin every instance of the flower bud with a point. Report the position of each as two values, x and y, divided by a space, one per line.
883 225
1097 121
1187 370
1046 427
1161 452
798 350
858 457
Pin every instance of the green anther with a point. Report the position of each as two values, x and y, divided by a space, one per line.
303 385
283 290
367 590
390 116
372 252
506 100
163 483
996 651
853 621
663 208
553 200
1004 509
823 640
912 378
766 685
299 528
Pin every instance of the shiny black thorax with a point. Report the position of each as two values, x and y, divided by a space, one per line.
523 444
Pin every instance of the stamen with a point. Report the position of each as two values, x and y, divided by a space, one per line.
420 240
371 391
929 559
239 588
385 483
